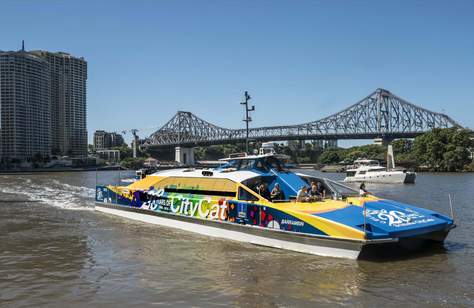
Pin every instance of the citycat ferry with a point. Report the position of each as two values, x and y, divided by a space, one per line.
225 203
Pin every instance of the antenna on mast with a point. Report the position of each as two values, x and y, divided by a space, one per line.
23 45
247 118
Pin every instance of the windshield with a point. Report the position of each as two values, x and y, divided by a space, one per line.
275 163
231 164
341 190
263 164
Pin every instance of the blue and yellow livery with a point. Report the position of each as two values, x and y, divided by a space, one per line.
224 202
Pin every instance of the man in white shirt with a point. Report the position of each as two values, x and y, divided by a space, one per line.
302 195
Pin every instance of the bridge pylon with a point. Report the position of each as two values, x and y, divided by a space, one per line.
185 156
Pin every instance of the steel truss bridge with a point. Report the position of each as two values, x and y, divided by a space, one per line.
379 115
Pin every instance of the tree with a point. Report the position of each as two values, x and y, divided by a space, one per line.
443 149
133 163
126 152
331 156
402 146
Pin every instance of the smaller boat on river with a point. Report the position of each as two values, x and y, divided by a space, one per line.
370 171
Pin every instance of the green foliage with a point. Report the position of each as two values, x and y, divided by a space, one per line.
443 149
332 156
402 146
133 163
310 153
127 152
215 152
469 167
404 155
440 150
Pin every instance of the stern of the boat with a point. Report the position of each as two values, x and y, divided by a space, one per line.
410 177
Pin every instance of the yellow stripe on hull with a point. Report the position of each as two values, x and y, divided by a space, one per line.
329 227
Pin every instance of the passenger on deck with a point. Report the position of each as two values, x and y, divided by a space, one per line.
277 193
302 195
314 192
362 191
321 190
263 191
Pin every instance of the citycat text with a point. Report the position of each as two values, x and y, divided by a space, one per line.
179 204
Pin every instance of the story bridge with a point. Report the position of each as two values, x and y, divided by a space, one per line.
379 115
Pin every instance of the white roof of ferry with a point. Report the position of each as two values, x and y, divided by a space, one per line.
236 176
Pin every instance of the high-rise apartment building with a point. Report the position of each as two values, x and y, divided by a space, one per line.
42 104
68 102
25 106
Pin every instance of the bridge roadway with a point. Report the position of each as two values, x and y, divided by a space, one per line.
379 115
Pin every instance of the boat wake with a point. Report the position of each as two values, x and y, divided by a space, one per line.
50 192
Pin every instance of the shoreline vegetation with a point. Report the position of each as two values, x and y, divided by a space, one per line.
441 150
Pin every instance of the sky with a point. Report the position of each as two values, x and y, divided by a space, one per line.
299 60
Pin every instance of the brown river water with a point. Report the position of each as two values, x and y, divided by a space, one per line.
56 251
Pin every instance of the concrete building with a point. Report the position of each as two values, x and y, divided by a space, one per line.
42 105
25 106
104 140
101 140
68 77
111 156
116 140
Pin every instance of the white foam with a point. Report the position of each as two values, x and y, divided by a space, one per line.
53 193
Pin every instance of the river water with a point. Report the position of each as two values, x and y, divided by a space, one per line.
56 251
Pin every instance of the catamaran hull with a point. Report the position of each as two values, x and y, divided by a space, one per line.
304 243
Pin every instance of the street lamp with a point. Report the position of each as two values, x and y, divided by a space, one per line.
247 118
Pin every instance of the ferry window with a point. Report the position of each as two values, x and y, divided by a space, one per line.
232 164
275 163
361 172
377 170
341 189
246 196
261 166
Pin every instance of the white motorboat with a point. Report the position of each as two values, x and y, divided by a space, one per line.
370 171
